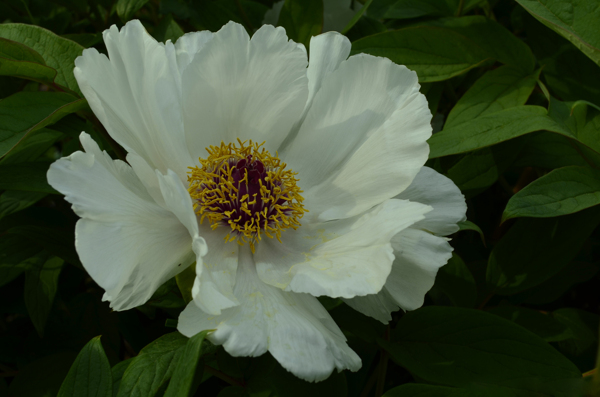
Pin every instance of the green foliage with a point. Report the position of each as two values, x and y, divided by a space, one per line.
514 93
90 374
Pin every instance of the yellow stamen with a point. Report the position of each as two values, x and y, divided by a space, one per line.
276 206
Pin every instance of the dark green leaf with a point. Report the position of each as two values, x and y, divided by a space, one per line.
185 282
58 242
182 382
150 371
33 147
468 225
58 53
90 374
540 323
302 19
534 250
408 9
25 112
583 327
578 119
17 254
553 288
548 150
21 61
457 347
12 201
575 20
357 16
421 390
29 177
560 192
456 46
492 129
455 281
168 295
496 90
41 283
117 373
42 377
434 53
168 29
126 8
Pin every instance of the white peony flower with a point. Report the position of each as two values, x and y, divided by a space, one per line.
282 180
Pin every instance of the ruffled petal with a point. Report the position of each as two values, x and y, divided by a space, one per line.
419 255
434 189
128 243
345 258
241 88
188 46
136 94
361 143
294 328
215 278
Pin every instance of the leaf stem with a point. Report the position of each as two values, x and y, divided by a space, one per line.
382 368
461 4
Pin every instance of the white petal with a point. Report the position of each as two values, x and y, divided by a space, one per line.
272 15
294 328
363 139
449 207
419 255
215 278
241 88
342 258
137 95
188 46
379 305
128 244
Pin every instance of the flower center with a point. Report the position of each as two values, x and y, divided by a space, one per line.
248 190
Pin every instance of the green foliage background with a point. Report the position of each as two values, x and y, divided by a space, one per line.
514 88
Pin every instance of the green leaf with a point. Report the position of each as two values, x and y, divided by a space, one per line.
408 9
548 150
434 53
496 90
560 192
167 29
33 148
12 201
479 169
21 61
578 119
540 323
41 283
182 382
455 46
583 326
58 53
553 288
535 249
468 225
421 390
575 20
25 112
90 374
56 241
29 177
501 44
302 19
456 282
17 254
150 371
185 282
457 347
491 129
117 373
168 296
42 377
357 16
126 8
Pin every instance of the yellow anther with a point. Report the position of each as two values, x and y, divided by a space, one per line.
276 205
